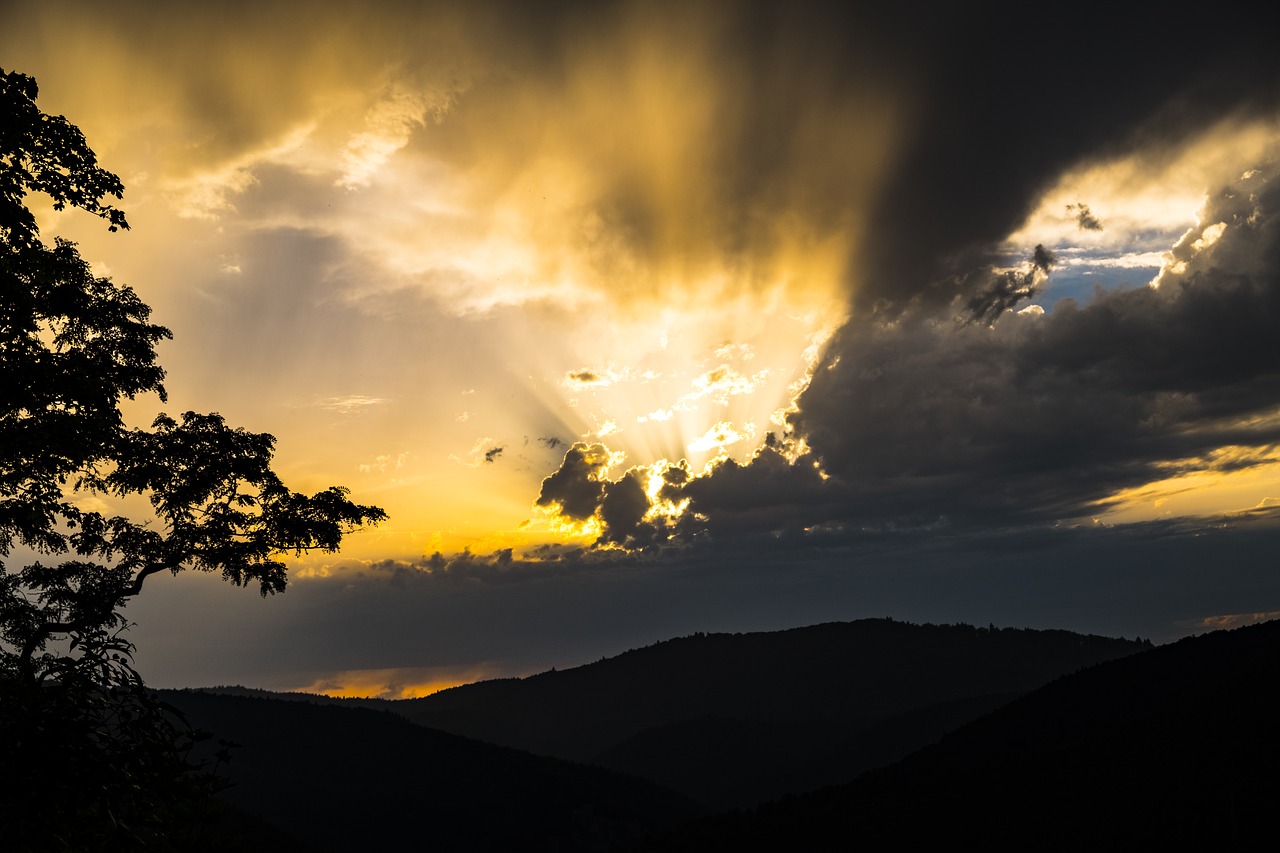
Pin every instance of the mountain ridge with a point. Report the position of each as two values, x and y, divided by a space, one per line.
737 719
1172 749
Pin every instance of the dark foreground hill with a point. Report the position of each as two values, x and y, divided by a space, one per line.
330 778
735 719
1173 749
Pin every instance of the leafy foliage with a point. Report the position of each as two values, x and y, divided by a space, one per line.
90 742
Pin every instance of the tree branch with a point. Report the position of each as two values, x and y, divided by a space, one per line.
136 586
46 631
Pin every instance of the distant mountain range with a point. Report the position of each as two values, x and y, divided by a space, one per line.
736 719
1138 740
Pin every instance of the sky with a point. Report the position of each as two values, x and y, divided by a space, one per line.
646 318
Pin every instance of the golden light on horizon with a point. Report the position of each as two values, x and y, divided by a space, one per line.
397 683
1230 480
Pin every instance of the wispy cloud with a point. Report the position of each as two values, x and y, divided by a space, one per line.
351 404
1223 621
385 462
209 192
483 450
388 125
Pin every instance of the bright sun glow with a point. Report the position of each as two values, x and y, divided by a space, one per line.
456 271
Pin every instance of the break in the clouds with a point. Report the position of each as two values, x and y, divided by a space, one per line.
1048 417
932 421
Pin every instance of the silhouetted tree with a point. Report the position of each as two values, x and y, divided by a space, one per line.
88 759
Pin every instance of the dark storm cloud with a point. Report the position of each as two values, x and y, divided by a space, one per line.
932 422
770 495
622 508
1005 109
997 292
575 487
938 405
580 489
924 134
923 420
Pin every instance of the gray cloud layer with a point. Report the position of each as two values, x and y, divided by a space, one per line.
471 611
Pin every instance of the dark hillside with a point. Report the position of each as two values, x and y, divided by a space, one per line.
1173 749
734 719
340 779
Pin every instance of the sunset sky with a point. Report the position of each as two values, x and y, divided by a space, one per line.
645 318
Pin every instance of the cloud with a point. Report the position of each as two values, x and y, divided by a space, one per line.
639 509
1084 217
738 351
576 488
971 169
579 379
722 383
721 435
351 404
384 462
1037 418
510 617
209 194
718 385
1227 621
623 506
924 421
732 166
389 124
1001 291
482 450
397 682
